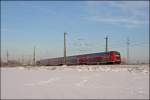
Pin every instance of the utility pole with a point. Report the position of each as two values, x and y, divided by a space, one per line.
7 57
128 57
22 60
34 56
65 48
106 49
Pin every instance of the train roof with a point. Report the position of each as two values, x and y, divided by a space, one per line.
94 53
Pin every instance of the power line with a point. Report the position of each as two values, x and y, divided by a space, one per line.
139 44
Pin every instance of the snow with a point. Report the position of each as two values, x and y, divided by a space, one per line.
76 82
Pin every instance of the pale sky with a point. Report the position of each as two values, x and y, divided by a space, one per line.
25 24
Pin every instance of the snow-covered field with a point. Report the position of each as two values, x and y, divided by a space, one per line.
76 82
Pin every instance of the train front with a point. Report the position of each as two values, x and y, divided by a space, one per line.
115 57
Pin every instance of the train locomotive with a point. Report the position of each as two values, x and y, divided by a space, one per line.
110 57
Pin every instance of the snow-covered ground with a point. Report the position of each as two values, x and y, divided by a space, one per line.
76 82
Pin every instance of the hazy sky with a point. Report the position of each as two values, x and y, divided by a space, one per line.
25 24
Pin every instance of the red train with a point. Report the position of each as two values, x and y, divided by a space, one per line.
111 57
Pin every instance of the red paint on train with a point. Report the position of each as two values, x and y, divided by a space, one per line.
111 57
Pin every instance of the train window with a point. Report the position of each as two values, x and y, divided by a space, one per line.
117 55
